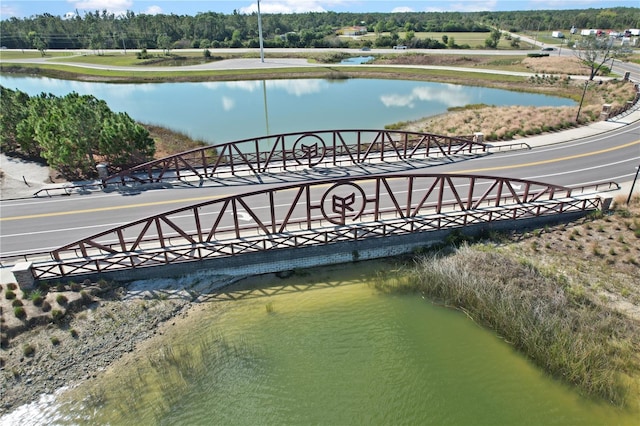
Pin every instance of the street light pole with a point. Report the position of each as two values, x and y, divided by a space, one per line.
260 33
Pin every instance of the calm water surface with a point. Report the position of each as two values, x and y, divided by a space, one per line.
335 353
218 112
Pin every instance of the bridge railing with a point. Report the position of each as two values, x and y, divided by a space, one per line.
307 214
292 151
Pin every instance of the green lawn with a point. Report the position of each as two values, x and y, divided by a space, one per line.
7 55
475 40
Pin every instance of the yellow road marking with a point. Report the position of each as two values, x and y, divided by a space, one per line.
103 209
156 203
555 160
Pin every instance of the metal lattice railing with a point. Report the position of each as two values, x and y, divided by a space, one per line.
307 214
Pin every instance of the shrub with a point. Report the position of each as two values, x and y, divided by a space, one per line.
86 297
75 286
60 287
37 300
19 312
9 294
55 341
56 314
73 333
12 286
17 302
28 350
61 299
46 306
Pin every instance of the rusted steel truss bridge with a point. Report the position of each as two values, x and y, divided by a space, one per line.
295 151
308 214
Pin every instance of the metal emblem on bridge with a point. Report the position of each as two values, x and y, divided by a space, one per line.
309 150
341 202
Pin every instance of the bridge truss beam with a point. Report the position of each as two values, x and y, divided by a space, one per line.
311 214
293 151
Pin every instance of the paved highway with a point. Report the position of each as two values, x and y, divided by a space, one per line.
36 225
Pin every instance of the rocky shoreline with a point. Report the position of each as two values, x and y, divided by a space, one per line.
83 343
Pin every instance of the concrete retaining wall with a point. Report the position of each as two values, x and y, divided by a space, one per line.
306 257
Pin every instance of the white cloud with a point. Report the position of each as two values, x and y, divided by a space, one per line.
228 103
295 87
451 95
467 6
117 7
298 87
153 10
401 9
291 6
6 11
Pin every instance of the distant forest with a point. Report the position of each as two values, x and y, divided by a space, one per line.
101 30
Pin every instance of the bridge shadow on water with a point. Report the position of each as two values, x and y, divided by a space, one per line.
228 289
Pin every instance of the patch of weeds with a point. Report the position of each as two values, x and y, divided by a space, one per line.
73 333
625 213
55 341
28 350
269 307
19 312
595 249
86 297
612 251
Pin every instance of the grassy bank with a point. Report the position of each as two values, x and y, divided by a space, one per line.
558 295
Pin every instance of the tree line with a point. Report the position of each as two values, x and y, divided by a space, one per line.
71 133
102 30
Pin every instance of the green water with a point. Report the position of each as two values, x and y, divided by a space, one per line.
338 354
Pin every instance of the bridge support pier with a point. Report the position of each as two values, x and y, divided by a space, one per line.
23 273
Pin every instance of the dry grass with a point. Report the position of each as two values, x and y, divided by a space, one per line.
556 65
506 123
169 142
567 296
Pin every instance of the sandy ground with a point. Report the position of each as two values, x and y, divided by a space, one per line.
22 179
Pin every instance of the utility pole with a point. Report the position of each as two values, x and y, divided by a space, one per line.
260 33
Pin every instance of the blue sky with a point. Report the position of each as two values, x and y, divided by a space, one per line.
26 8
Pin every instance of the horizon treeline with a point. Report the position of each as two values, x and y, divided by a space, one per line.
102 30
